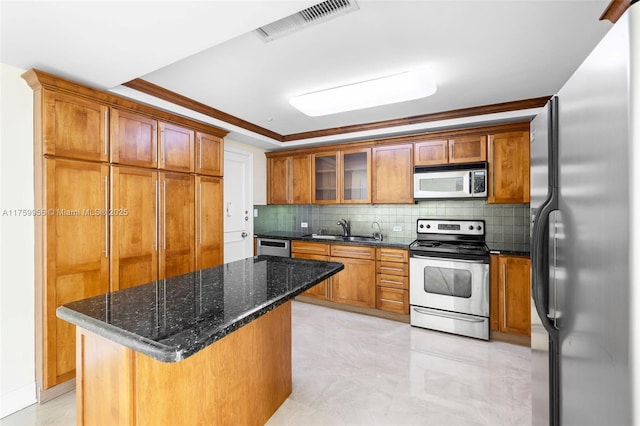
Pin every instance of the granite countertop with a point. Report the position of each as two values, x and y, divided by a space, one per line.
513 249
171 319
388 241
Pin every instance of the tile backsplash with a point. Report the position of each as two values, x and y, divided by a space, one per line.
505 223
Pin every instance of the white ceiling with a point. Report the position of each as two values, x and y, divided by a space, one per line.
481 52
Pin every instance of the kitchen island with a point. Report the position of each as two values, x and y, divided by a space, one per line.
209 347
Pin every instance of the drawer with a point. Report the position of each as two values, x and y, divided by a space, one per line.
392 300
358 252
384 280
387 254
320 249
390 268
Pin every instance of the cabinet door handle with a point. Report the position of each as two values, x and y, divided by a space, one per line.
396 256
504 294
353 252
391 269
155 247
164 213
162 146
155 144
200 152
200 213
106 217
106 131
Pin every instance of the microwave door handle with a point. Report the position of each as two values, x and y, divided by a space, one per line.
470 183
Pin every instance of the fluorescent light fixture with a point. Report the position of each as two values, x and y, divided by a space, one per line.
405 86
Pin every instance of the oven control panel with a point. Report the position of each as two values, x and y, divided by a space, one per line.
451 227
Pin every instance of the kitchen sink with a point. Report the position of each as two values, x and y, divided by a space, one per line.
355 238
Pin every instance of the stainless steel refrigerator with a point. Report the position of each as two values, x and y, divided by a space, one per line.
585 208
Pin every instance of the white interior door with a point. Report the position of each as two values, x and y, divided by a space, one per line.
238 204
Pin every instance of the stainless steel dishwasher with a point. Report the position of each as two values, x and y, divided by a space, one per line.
274 247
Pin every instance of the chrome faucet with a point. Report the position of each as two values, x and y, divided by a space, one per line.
345 227
377 235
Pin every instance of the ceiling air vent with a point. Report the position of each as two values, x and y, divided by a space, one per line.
312 15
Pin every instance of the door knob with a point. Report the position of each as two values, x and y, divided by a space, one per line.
244 234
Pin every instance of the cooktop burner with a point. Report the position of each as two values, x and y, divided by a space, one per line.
450 238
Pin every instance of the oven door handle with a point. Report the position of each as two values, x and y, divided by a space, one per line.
417 256
449 316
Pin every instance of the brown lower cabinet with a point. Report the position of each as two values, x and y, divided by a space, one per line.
373 277
313 251
511 294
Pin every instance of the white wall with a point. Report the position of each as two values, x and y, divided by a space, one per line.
17 363
259 170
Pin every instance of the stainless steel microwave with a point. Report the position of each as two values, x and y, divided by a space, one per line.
452 181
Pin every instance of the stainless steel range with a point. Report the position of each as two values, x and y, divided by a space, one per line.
449 272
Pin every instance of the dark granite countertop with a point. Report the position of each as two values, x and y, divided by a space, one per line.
388 241
513 249
171 319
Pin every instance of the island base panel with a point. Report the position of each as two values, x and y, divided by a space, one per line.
241 379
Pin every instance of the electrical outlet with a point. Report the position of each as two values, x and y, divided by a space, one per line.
255 212
304 225
397 228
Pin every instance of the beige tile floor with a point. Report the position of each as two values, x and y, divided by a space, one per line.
352 369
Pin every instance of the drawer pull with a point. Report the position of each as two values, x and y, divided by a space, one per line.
392 301
391 282
392 269
353 252
397 256
308 249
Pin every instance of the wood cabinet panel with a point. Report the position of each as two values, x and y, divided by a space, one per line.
176 148
300 179
176 227
468 149
388 254
134 236
433 152
289 180
134 139
360 252
320 290
392 300
74 127
209 154
511 294
325 178
77 264
393 174
396 281
355 176
209 222
355 284
392 268
310 248
509 168
278 183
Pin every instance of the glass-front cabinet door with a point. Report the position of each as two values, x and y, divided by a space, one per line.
325 178
356 176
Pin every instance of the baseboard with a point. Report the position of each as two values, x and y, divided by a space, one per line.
54 392
17 400
356 309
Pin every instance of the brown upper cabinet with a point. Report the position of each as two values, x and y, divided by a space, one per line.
462 149
289 179
209 154
74 127
138 140
341 177
509 168
176 148
355 176
393 174
134 139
